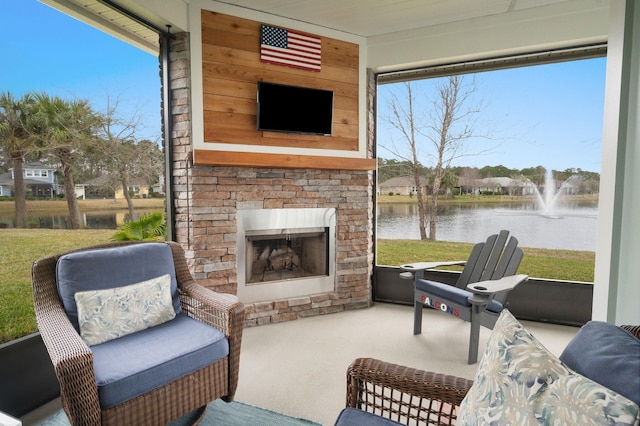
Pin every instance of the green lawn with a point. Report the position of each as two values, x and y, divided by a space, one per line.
569 265
18 249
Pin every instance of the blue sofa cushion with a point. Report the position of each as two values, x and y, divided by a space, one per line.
608 355
112 267
355 417
454 294
137 363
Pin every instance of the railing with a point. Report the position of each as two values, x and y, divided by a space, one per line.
542 300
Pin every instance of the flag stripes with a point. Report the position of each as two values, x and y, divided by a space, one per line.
283 47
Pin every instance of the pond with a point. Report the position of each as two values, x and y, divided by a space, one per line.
102 219
572 225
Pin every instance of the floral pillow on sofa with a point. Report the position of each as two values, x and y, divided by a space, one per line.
519 382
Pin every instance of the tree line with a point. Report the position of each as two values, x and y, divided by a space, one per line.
453 176
78 141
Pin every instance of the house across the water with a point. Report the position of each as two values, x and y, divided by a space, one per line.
39 180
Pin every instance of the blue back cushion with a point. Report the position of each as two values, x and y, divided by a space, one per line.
606 354
112 267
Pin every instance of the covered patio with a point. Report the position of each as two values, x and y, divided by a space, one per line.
295 362
298 367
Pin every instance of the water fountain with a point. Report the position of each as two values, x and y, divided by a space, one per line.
547 201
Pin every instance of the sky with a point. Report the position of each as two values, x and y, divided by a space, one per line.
45 50
545 115
548 115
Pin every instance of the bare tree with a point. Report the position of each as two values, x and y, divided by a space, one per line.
451 126
126 159
445 127
136 162
403 117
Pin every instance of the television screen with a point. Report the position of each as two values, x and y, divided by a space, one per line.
293 109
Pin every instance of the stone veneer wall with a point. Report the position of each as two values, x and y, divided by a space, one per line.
206 199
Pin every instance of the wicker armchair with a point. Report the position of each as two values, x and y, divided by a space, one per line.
73 360
404 394
408 395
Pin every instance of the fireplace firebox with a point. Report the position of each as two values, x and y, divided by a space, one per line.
285 253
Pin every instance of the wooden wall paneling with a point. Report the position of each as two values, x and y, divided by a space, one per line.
232 68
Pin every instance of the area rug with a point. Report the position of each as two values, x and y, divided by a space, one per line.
220 413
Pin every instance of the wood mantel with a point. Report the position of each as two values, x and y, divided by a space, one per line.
286 161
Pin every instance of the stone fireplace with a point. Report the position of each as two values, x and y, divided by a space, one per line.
212 205
217 207
285 253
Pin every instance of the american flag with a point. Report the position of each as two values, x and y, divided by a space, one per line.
284 47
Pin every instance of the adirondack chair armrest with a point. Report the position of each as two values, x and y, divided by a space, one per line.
416 270
489 287
430 265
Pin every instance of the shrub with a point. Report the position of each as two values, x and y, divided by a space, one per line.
150 227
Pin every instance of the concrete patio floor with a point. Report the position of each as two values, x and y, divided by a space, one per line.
298 367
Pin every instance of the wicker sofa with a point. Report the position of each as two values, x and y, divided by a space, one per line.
382 393
150 376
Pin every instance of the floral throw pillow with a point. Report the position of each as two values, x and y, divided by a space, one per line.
519 382
105 315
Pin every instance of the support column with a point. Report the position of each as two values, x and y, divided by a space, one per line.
616 288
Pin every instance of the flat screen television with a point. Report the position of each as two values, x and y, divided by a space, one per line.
293 109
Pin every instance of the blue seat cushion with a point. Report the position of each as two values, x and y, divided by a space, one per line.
608 355
112 267
355 417
453 294
137 363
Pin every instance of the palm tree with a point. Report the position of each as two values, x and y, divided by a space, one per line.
66 127
16 139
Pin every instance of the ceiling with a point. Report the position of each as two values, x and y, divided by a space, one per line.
369 18
105 16
366 18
